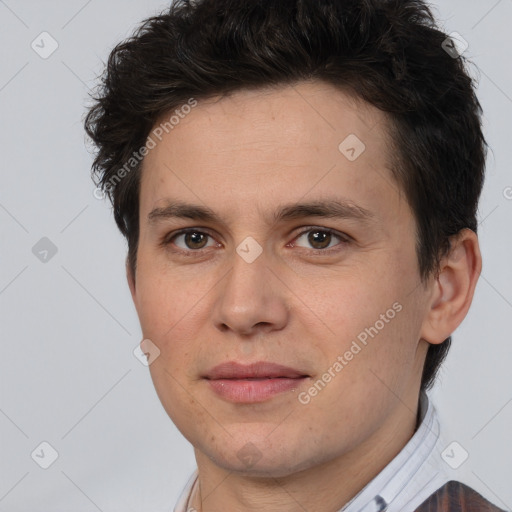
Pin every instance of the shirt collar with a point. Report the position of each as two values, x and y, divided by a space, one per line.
394 479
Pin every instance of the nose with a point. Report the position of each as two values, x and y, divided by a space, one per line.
252 300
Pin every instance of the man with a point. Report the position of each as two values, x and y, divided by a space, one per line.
298 183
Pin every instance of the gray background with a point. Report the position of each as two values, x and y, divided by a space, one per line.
68 375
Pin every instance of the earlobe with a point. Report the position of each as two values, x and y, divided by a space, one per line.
453 288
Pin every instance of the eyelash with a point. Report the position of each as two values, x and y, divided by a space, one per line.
167 240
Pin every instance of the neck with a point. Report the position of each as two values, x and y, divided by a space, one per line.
323 487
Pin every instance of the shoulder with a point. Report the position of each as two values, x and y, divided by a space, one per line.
457 497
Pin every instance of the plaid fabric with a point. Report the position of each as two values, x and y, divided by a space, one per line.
457 497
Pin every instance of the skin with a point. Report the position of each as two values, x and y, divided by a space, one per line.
297 304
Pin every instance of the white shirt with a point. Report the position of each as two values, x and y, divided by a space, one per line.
416 473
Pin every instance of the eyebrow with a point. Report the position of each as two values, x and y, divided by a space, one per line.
332 208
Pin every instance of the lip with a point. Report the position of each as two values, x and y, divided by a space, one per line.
254 382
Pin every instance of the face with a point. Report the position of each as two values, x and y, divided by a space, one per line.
277 275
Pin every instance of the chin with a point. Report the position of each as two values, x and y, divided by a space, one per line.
263 468
260 458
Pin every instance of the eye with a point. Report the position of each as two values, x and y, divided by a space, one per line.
190 239
319 238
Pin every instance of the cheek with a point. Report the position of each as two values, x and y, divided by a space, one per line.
188 414
349 302
163 300
163 320
370 319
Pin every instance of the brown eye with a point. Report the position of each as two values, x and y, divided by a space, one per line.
195 240
319 239
190 240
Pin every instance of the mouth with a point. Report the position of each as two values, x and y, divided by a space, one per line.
252 383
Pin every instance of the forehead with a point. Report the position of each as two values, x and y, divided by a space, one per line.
256 147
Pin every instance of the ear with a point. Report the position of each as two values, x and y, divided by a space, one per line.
453 288
130 278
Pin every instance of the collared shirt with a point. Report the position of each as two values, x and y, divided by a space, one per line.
416 473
